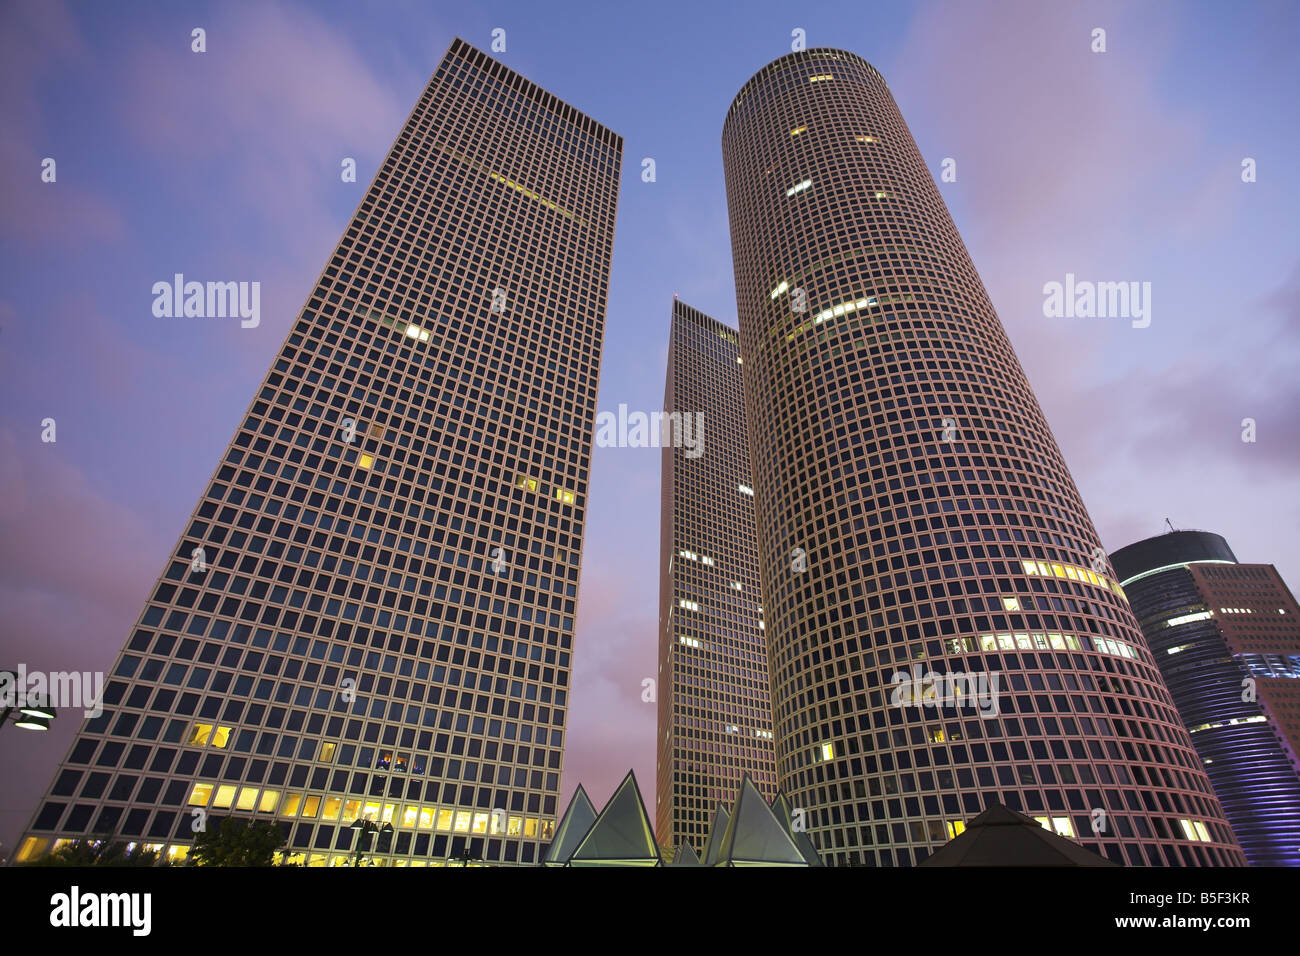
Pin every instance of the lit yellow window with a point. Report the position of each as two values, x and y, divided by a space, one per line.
1069 573
410 815
567 497
31 848
865 139
828 752
199 735
310 807
178 854
797 130
515 826
351 809
936 734
1029 566
1043 569
1010 604
333 806
426 818
480 823
956 828
366 461
201 794
444 821
270 798
225 797
221 737
389 810
292 801
462 821
530 827
371 810
247 798
528 484
327 752
1058 570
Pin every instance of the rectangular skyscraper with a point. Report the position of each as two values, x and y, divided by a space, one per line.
715 720
371 612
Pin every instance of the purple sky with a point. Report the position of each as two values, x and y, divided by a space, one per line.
1122 166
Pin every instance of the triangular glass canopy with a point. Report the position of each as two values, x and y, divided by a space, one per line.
622 834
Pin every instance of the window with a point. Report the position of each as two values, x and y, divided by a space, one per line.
225 797
366 461
199 735
201 794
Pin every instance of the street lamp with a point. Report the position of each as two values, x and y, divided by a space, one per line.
32 715
364 826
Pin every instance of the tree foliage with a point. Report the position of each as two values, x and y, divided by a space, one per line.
98 851
238 842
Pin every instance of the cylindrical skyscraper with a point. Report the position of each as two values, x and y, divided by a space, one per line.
943 630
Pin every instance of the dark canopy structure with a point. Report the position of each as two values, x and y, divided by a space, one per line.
1002 837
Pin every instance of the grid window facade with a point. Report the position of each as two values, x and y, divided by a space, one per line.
914 512
715 722
371 610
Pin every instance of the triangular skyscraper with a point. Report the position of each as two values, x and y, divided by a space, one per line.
622 834
574 825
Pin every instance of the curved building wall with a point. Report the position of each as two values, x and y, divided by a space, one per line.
1171 581
915 516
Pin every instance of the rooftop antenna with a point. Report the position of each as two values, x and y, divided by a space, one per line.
1171 527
